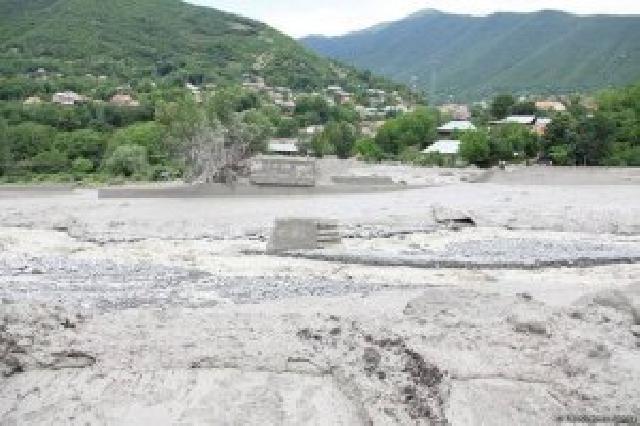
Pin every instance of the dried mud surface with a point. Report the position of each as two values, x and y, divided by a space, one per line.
167 311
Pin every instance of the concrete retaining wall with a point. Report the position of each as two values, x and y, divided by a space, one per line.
362 180
283 171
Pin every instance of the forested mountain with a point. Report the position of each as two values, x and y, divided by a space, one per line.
471 57
153 38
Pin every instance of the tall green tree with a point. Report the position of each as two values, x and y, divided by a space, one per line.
501 106
341 136
418 128
475 147
5 149
28 139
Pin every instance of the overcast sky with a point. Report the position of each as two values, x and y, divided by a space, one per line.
332 17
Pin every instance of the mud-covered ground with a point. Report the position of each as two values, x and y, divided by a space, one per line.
139 311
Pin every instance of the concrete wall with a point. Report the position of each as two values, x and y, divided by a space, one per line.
283 171
302 234
362 180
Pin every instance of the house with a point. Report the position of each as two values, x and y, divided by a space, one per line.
343 97
123 100
254 83
456 126
527 120
313 130
395 109
283 146
457 112
32 100
286 106
376 97
67 98
541 126
550 106
370 128
448 148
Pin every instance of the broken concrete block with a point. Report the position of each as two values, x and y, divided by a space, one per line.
452 218
303 234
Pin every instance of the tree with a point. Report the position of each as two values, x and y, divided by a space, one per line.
342 113
258 129
85 143
474 147
151 136
312 110
560 155
320 146
416 128
523 108
509 141
5 149
127 161
501 106
28 139
341 136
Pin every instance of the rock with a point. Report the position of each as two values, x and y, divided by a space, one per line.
616 300
599 351
451 218
530 322
371 359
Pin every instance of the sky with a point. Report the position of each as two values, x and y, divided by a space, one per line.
334 17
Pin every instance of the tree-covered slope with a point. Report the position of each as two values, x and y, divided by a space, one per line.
472 57
153 38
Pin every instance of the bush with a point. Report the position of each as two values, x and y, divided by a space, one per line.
369 150
50 162
560 155
629 157
320 146
127 161
410 155
82 165
432 159
151 136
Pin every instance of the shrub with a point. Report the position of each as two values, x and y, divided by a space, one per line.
559 155
50 162
369 150
82 165
127 161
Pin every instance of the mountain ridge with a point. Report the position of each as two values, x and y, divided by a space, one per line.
472 57
168 39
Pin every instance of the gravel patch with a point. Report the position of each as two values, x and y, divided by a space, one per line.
108 285
499 253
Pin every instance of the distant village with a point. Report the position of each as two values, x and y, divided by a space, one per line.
374 109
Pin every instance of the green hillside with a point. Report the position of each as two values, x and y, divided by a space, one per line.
159 39
470 57
152 79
